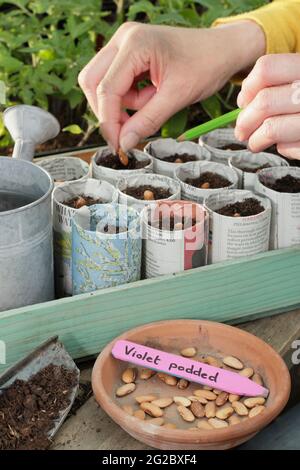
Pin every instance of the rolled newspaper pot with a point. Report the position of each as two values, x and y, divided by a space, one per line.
106 247
65 199
143 162
277 184
149 188
64 169
175 236
247 164
222 144
190 171
163 150
236 235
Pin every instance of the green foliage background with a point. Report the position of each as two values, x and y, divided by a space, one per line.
45 43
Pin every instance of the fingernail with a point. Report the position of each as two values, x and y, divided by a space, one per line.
240 101
128 141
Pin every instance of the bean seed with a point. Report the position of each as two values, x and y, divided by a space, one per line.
256 411
217 423
206 387
234 419
156 421
210 409
247 372
80 202
207 394
233 397
188 352
182 384
257 379
167 379
129 375
254 401
146 374
222 399
237 215
123 157
183 401
145 398
128 409
125 389
202 424
205 185
233 362
162 402
224 413
197 409
217 392
212 361
240 408
186 414
148 195
151 410
140 414
178 160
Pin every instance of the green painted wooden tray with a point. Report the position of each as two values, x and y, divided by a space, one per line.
233 291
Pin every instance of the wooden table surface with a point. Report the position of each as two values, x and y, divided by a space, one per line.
91 429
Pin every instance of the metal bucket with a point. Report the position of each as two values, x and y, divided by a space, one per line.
26 254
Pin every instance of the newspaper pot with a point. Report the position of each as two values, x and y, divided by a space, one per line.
62 224
101 259
161 148
63 169
194 170
244 160
26 255
113 176
167 251
156 181
233 237
285 226
214 141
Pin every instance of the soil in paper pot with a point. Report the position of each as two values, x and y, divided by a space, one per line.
112 161
286 184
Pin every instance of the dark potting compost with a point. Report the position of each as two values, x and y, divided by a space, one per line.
208 180
114 162
233 147
244 208
10 201
180 158
28 409
80 201
147 192
286 184
173 223
253 170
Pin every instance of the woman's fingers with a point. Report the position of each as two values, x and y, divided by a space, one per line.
268 102
136 99
269 70
274 130
290 150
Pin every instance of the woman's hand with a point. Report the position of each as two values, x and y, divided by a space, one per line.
270 97
183 65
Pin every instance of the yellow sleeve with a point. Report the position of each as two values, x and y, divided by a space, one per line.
280 22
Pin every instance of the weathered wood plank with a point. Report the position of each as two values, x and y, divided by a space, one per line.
230 291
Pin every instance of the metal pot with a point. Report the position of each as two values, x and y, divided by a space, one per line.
26 254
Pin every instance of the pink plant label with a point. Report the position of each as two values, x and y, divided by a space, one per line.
186 368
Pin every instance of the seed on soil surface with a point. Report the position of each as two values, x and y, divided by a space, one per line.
222 399
140 414
237 215
203 424
205 185
247 207
129 375
145 398
167 379
156 421
170 426
240 408
186 414
184 401
224 413
197 409
128 409
210 409
256 411
218 423
80 201
234 419
125 390
148 195
233 397
188 352
178 160
247 372
254 401
123 157
207 394
233 362
213 180
182 384
163 402
257 379
151 410
146 374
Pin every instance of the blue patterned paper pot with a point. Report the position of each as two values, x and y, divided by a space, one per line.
106 247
